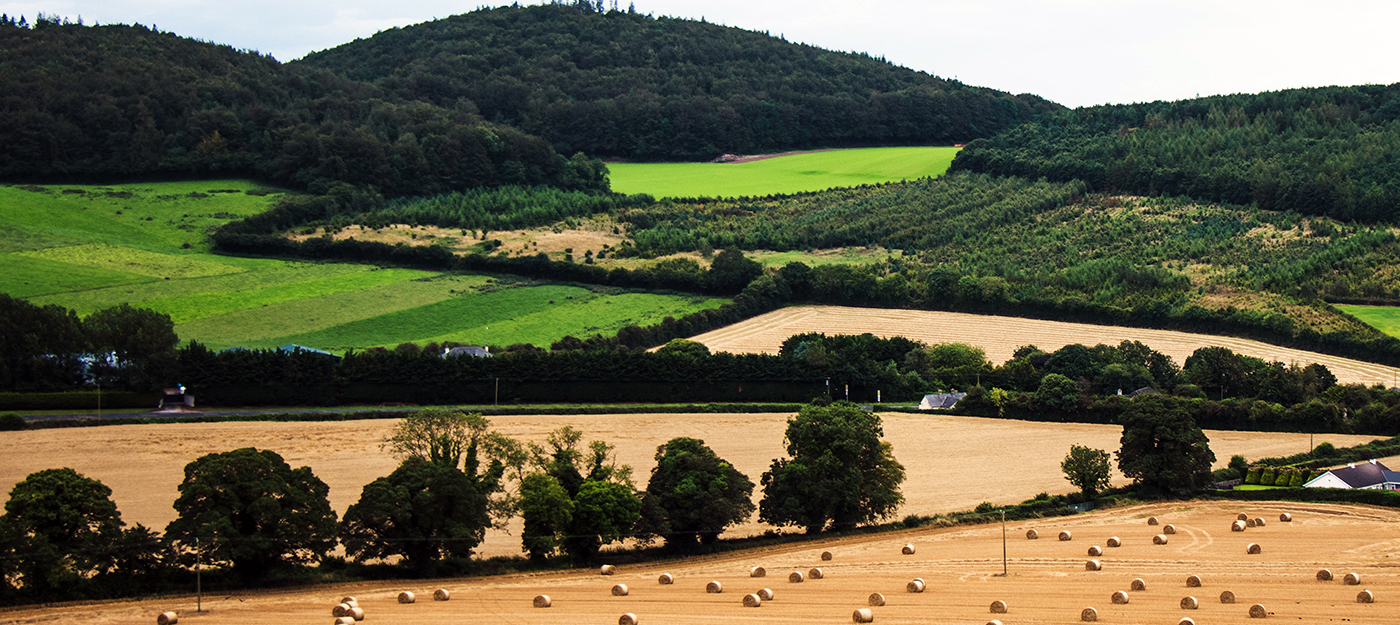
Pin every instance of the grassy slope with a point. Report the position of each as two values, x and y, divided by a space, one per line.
1383 318
95 249
787 174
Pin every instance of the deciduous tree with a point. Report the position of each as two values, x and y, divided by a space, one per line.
693 494
1087 468
1162 445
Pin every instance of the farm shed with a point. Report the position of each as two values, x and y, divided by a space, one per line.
1367 475
467 350
940 401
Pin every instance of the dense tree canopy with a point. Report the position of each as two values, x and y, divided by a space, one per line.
1162 445
602 505
1087 469
422 511
693 494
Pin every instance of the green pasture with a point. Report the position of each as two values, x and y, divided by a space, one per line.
97 248
1383 318
785 174
843 256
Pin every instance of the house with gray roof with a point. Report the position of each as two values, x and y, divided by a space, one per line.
1371 475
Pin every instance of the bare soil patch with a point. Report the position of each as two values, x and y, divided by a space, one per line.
1000 336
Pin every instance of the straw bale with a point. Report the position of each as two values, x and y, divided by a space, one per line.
908 550
1065 535
1169 529
1243 517
1193 581
796 577
1257 611
1088 615
1119 598
619 590
998 607
1285 518
1114 542
1095 551
345 620
1352 579
815 573
441 594
1032 534
1160 539
993 622
627 619
1227 597
1365 596
1187 621
665 579
826 556
407 597
357 614
1253 549
1093 565
758 571
542 601
1189 603
1152 520
350 601
915 586
752 601
1238 526
1324 575
1260 522
340 609
714 588
863 615
607 569
1138 584
876 599
170 618
1251 523
765 594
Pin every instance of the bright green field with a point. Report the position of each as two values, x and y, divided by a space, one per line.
96 249
784 174
1383 318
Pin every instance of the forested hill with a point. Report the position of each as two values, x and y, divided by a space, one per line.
119 101
624 84
1331 151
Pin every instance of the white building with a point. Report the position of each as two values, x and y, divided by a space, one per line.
1373 475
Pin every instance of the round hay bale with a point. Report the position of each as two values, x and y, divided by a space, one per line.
1259 522
357 614
1095 551
1187 621
1352 579
1032 534
169 618
441 594
607 569
998 607
815 573
1169 529
340 610
407 597
1242 516
1114 542
619 590
1138 584
1189 603
1285 518
826 556
908 550
1227 597
765 594
714 588
1160 539
1251 523
1088 615
863 615
1237 526
758 571
1119 598
1324 575
345 620
1065 535
665 579
1365 596
796 577
752 601
542 601
1258 611
1193 581
876 599
915 586
627 619
1152 520
993 622
1093 565
1253 549
350 601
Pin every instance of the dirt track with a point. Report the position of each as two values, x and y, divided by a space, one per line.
1000 336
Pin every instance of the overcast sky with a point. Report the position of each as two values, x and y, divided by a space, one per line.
1075 52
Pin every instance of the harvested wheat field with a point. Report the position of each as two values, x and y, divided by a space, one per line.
1000 336
946 457
1047 584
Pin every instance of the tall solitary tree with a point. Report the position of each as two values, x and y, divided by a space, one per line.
1087 468
693 494
1162 445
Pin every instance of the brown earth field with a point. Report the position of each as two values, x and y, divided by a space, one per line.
1000 336
1046 582
952 463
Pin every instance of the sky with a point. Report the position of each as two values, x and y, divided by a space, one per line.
1075 52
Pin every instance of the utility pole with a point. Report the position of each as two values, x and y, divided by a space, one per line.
497 400
198 579
1003 543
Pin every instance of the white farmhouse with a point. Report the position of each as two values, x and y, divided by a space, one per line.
1373 475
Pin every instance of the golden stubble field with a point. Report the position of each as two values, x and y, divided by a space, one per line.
1000 336
1047 581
